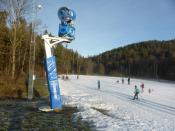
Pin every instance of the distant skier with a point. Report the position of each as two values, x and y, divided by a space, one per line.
63 77
128 80
122 80
67 77
98 84
136 92
149 90
142 87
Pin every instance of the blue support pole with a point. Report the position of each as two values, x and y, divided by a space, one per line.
53 85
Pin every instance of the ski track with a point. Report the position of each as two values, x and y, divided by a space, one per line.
141 102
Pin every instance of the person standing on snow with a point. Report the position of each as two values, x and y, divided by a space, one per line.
142 86
98 84
136 92
128 80
149 90
122 80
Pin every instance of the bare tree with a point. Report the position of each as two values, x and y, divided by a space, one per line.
16 10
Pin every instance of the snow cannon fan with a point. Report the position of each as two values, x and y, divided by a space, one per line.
66 27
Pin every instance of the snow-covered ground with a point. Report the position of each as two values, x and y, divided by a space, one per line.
112 109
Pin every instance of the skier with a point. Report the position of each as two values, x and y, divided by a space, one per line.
128 80
63 77
77 77
98 84
142 86
136 92
149 90
122 80
67 77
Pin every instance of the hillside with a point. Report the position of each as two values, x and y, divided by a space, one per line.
150 59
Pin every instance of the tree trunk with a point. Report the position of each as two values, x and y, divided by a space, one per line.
13 62
23 61
14 52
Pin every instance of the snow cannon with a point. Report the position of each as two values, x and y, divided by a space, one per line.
66 34
66 27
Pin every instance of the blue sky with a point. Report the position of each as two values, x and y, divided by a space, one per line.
102 25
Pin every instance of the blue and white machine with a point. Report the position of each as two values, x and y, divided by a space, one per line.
66 34
66 27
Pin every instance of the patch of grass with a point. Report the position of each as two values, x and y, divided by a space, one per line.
41 87
21 115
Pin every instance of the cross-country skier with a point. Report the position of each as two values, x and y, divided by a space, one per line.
122 80
128 80
98 84
149 90
142 86
136 92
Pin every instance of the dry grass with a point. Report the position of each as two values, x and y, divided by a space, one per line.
17 89
10 88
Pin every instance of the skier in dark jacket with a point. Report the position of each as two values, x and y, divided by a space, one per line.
98 84
122 80
128 80
136 92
